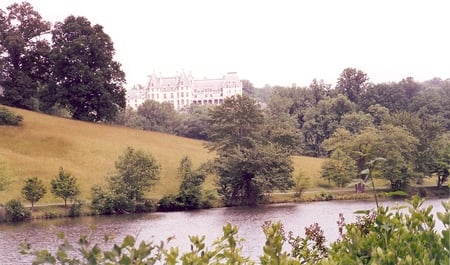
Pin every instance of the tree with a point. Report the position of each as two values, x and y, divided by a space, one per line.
247 174
248 164
157 116
24 56
322 121
237 122
301 182
137 172
443 169
395 144
340 168
33 190
87 81
191 181
247 87
281 128
8 117
356 121
352 83
194 123
65 186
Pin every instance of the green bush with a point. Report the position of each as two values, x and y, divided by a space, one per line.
8 117
170 203
50 214
391 236
75 208
147 207
16 212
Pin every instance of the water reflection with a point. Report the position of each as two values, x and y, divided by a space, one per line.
158 227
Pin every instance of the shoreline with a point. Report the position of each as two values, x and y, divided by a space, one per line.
52 211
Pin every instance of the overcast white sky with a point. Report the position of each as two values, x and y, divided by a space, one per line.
270 42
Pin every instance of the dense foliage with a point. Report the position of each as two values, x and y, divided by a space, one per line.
16 211
384 236
73 74
136 172
33 190
24 56
8 117
249 162
65 186
190 195
86 79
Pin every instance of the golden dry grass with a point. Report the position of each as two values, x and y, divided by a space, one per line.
310 167
44 143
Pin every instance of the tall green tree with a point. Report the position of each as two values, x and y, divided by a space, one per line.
352 83
137 172
247 87
281 126
322 121
340 169
65 186
156 116
33 190
247 174
396 145
192 180
248 164
239 121
87 79
194 123
24 56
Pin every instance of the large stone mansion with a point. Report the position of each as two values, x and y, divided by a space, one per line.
183 90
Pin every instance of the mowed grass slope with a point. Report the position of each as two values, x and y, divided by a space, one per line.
44 143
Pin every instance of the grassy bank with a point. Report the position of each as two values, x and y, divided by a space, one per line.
44 143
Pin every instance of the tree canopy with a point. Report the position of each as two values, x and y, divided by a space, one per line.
33 190
24 56
87 80
65 186
248 163
75 71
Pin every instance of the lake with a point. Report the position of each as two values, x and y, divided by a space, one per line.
158 227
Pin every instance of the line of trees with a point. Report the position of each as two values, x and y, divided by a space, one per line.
136 172
406 122
67 69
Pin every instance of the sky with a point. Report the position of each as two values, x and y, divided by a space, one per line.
270 42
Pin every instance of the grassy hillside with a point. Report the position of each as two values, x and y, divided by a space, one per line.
44 143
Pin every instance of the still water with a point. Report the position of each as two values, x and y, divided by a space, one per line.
157 227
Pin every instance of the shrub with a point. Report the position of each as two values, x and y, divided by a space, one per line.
147 207
50 215
8 117
105 201
75 208
16 212
170 203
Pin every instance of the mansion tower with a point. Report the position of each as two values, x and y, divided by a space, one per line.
183 90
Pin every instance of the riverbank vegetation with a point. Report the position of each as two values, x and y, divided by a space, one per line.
381 236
